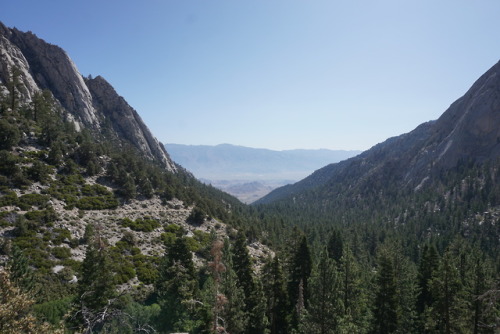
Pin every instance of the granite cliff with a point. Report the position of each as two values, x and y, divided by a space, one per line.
90 103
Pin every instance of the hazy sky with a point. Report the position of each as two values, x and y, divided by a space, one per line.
276 74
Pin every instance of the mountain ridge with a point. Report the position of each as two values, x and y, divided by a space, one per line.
89 103
469 130
227 161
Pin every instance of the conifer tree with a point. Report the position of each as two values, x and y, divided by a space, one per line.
300 270
176 287
446 314
335 245
386 303
277 302
15 310
356 310
254 299
20 272
96 300
233 311
325 304
217 268
428 264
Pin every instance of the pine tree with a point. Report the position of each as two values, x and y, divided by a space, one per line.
300 270
335 245
356 311
233 311
325 305
254 299
428 264
96 300
20 272
386 300
217 268
15 310
446 313
277 301
176 287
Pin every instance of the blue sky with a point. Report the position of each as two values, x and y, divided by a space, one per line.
277 74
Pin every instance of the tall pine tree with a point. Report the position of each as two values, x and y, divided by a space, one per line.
325 304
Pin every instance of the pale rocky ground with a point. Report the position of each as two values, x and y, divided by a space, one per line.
108 223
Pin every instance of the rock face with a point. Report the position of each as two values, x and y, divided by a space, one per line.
90 103
126 121
469 131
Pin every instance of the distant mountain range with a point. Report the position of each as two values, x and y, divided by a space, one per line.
249 173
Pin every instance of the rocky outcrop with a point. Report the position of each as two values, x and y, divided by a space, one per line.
90 103
52 69
11 57
125 121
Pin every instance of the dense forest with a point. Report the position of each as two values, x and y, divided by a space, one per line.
380 260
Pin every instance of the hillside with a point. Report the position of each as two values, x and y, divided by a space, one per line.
468 132
80 172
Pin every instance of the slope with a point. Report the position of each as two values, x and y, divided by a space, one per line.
469 131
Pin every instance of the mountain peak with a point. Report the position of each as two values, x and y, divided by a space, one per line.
89 103
468 131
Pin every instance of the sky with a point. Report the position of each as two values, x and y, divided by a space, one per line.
276 74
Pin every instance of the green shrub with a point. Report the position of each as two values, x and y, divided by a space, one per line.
97 203
53 311
61 252
197 216
124 272
140 224
42 216
60 235
9 135
147 273
94 190
192 244
39 172
34 200
9 198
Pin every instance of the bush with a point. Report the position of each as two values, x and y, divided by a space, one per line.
97 203
197 216
141 225
9 198
30 200
53 311
9 135
39 172
61 253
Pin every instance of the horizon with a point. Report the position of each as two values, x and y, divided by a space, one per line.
263 148
280 76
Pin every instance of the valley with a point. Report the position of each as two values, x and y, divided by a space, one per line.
103 229
251 173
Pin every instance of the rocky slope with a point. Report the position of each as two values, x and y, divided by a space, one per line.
469 131
90 103
50 165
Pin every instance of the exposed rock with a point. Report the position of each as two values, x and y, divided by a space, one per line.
91 103
126 121
52 69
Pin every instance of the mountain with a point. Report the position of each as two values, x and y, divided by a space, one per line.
467 132
90 103
231 162
250 173
75 155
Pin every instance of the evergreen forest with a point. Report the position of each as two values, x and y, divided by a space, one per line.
384 259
